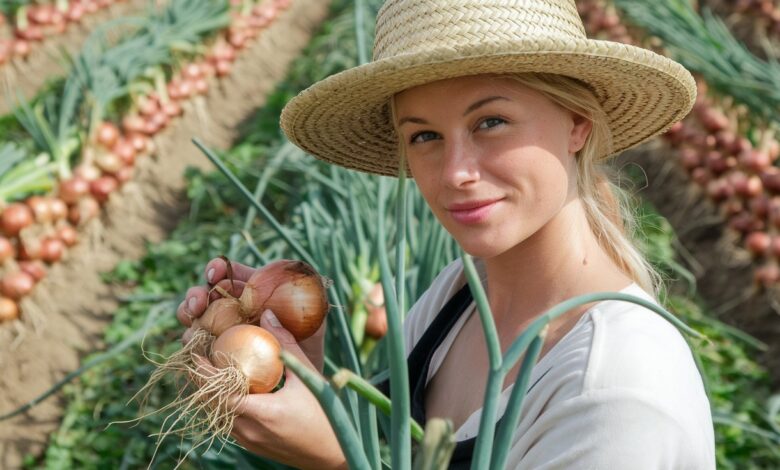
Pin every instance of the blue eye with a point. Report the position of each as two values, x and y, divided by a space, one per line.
491 122
422 137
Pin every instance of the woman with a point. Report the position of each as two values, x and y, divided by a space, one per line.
504 112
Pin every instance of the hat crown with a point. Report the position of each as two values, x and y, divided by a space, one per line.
414 26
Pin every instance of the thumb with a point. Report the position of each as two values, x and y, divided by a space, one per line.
285 338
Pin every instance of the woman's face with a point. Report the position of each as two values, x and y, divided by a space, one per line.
493 158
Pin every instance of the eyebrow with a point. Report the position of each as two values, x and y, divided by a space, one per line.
473 107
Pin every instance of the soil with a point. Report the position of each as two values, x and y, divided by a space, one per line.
723 270
47 59
72 301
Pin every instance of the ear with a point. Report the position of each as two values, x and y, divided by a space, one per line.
579 133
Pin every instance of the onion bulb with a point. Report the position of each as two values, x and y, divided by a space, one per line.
293 290
253 351
34 268
376 323
107 134
244 358
73 189
58 208
767 275
67 234
220 315
758 243
41 209
6 250
15 218
9 310
16 284
52 249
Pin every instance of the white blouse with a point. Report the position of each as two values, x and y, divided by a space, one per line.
619 390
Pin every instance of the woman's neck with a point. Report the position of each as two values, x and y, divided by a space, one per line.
561 260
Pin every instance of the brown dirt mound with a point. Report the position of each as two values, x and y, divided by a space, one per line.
74 302
46 59
724 272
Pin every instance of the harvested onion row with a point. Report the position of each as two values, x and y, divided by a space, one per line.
242 357
40 21
740 178
109 158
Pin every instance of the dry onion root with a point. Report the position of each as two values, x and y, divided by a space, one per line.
242 357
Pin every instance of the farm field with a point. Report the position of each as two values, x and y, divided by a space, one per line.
98 165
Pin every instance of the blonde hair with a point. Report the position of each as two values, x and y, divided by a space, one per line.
607 205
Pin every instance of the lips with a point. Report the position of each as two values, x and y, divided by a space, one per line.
472 212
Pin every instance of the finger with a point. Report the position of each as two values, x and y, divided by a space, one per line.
285 338
195 302
183 314
216 270
234 288
187 335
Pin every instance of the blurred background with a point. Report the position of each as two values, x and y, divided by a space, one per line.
109 212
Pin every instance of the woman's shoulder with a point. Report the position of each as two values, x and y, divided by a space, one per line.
640 356
624 348
624 374
634 347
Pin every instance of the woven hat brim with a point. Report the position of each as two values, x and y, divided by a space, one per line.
344 119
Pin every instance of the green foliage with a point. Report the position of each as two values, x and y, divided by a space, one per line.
314 201
705 45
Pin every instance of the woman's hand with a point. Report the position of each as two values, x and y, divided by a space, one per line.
216 274
289 425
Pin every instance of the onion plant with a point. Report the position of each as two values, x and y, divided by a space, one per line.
21 174
119 56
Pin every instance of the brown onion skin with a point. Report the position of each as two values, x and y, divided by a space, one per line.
68 235
252 350
15 218
41 209
758 243
58 208
220 315
52 249
73 189
293 290
9 310
376 323
767 275
34 268
6 250
107 134
16 285
102 188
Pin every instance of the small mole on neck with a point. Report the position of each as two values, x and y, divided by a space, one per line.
584 261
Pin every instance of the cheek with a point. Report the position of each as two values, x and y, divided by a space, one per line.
424 176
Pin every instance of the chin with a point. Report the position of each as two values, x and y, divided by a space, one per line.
481 249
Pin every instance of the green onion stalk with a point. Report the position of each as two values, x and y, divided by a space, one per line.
28 177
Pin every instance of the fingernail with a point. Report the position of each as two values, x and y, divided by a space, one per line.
191 304
210 274
271 318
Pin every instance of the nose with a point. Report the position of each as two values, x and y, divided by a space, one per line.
459 163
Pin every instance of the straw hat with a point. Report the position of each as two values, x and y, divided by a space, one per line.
345 118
